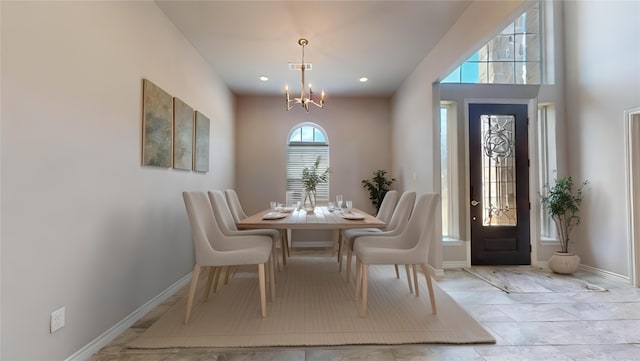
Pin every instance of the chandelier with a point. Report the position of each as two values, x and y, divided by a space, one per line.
303 99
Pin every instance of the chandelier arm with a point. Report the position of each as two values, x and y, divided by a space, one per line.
304 101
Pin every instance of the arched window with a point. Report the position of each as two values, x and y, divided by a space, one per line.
306 142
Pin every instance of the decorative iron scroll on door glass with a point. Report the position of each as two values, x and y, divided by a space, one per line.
498 171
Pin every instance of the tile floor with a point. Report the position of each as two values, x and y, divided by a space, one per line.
535 326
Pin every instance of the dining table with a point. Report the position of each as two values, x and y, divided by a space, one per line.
320 218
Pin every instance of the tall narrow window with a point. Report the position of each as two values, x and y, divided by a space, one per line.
547 161
449 172
307 142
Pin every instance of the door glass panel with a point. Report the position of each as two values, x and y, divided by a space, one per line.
498 170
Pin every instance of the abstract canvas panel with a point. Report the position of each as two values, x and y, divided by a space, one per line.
183 132
201 161
157 117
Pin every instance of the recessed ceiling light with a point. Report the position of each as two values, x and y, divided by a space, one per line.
264 78
364 79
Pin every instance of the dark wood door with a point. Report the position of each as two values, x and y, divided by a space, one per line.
499 184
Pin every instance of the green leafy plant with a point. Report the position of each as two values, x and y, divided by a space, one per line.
563 204
311 178
378 186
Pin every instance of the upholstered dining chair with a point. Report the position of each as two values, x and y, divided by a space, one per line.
410 247
234 205
395 225
385 212
228 225
215 249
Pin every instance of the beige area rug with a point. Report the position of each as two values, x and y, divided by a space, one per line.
526 279
314 306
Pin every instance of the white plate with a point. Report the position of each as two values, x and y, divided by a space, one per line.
274 215
354 216
287 209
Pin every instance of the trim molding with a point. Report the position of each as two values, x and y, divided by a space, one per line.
109 335
605 274
438 273
454 264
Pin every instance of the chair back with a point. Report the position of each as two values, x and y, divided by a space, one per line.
204 228
388 206
222 213
402 212
420 230
234 205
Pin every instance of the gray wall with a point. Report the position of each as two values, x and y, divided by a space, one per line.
602 81
83 224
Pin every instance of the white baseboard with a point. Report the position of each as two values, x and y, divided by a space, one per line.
454 264
597 271
605 274
437 273
109 335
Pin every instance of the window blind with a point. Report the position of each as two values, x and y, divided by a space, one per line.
303 156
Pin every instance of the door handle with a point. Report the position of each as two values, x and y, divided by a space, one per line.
474 203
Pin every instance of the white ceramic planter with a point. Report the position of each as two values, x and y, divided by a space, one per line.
564 263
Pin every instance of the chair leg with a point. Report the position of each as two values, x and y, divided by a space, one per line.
365 286
289 244
340 256
415 280
432 297
212 271
274 251
358 278
406 266
272 280
286 241
216 278
227 271
349 257
395 266
263 297
192 291
283 245
340 250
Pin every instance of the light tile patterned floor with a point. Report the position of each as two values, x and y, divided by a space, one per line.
550 326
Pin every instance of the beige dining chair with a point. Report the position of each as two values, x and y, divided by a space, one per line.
385 213
234 205
228 225
396 224
215 249
411 247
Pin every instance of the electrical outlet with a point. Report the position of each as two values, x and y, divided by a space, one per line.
57 320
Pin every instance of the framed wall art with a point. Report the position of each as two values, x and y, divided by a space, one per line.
201 156
182 135
157 117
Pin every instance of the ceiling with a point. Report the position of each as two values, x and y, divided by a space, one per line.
382 40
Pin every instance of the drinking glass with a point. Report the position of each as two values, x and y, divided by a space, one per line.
349 206
331 206
273 205
339 200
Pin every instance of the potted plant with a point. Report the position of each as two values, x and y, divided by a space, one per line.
310 179
563 204
378 186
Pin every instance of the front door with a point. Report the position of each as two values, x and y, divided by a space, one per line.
499 180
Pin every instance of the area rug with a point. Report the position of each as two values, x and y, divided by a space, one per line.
527 279
315 306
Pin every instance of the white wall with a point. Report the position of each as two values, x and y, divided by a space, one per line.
416 135
359 137
85 226
602 81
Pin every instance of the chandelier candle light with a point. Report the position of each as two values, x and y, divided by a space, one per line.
303 100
